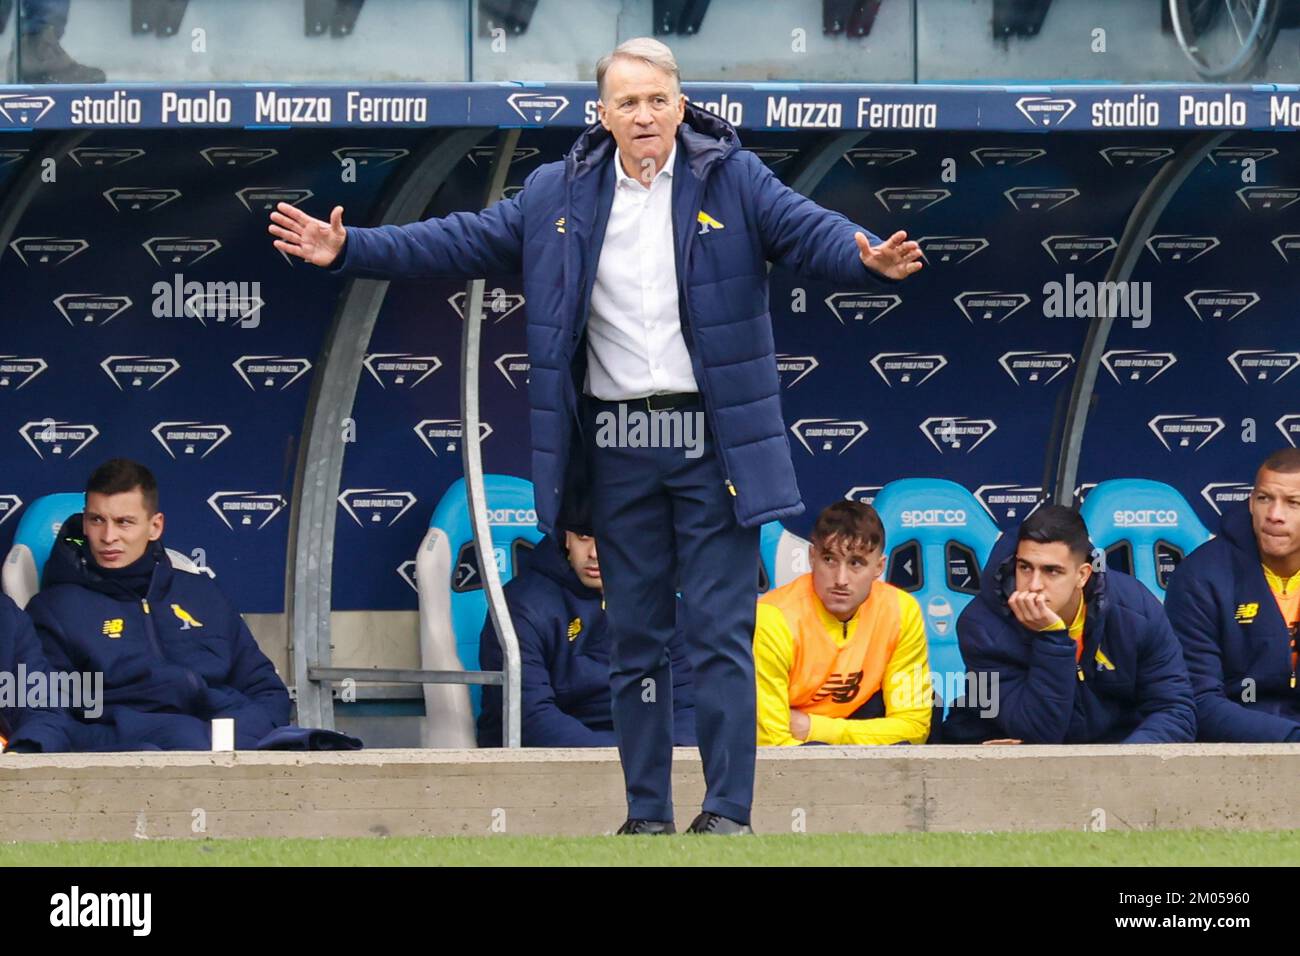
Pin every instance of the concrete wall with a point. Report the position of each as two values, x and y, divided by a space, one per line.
575 792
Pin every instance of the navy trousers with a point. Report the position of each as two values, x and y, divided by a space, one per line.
664 522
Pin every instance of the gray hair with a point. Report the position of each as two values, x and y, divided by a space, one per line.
647 50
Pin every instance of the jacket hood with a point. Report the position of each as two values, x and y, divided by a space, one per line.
550 558
703 138
999 579
70 563
1237 529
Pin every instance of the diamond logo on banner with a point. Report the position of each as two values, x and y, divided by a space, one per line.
1006 155
1192 432
995 307
537 107
265 198
104 156
514 365
91 308
862 306
1077 249
142 372
237 155
445 434
1135 156
792 369
58 439
376 507
1137 365
832 435
1263 366
956 432
400 369
910 198
1180 248
1045 110
1035 368
190 439
953 249
1221 494
47 250
140 198
907 368
1219 303
1039 197
16 371
246 509
497 304
1009 502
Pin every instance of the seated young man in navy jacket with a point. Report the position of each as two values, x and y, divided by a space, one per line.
32 720
1071 655
564 644
174 652
1235 604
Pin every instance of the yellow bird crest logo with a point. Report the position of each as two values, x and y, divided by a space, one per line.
559 225
1103 662
187 620
707 222
1246 612
113 628
575 627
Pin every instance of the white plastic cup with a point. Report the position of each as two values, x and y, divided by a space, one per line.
223 734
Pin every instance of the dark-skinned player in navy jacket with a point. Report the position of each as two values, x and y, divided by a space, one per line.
558 613
1235 604
1071 655
174 652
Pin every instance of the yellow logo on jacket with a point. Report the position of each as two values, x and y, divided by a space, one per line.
1103 662
575 627
1246 612
707 222
187 620
113 628
559 225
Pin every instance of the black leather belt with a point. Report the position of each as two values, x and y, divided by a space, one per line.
659 403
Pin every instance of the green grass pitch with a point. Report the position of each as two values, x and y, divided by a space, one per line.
1114 848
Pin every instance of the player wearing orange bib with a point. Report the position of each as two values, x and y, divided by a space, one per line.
840 655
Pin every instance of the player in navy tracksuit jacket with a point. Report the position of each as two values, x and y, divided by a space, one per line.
1129 685
32 729
1237 646
173 650
564 649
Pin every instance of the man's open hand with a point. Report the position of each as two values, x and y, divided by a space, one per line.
895 258
298 234
1031 609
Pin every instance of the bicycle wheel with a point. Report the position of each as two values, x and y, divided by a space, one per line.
1252 25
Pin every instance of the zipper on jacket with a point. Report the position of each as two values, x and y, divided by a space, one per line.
149 628
688 331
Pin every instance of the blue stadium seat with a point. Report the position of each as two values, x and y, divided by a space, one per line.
784 556
938 538
453 605
34 538
1145 528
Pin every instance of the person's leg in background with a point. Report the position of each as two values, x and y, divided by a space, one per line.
632 519
41 57
718 560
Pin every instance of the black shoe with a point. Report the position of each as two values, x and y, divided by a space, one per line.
646 828
722 826
45 61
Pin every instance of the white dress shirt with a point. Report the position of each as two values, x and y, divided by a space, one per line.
635 346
